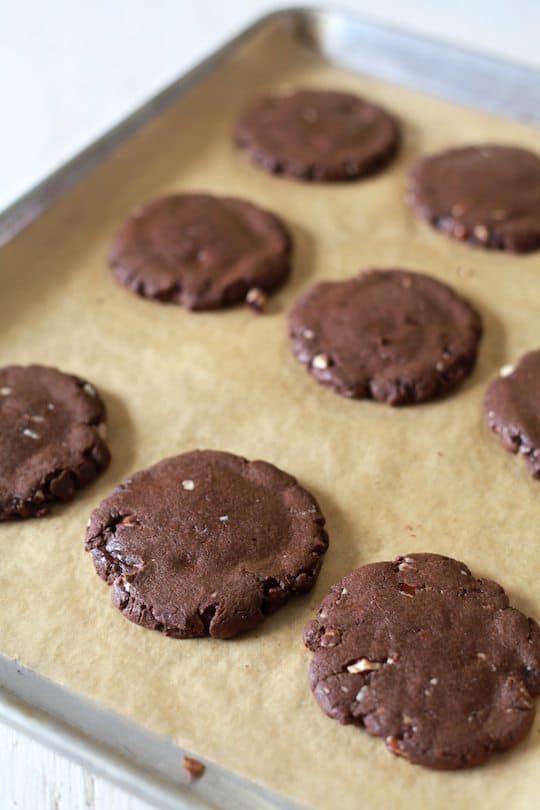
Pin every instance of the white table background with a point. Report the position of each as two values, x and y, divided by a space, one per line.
71 69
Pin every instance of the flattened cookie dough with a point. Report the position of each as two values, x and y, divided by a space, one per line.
206 543
50 442
318 135
512 409
486 195
201 251
423 654
391 335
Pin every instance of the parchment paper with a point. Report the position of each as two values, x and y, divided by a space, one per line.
390 481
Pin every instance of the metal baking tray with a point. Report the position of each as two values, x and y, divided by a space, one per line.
108 744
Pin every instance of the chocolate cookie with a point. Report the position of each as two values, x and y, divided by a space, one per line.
423 654
318 135
390 335
206 543
512 409
201 251
50 442
486 195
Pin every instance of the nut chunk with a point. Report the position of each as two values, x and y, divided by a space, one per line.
193 768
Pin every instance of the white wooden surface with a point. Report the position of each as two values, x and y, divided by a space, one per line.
34 778
69 70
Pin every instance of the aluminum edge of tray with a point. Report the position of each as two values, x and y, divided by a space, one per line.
356 44
146 764
62 739
433 66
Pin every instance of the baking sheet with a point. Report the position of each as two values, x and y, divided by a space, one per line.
425 478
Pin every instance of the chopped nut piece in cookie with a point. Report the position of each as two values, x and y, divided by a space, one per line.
406 590
330 639
256 299
392 743
188 484
320 361
363 665
360 695
506 370
481 233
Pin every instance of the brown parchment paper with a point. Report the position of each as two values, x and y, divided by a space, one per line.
429 477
